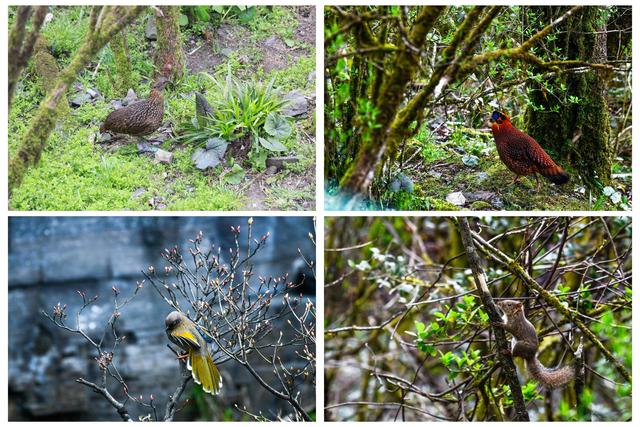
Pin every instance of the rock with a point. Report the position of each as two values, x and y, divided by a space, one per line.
480 199
105 137
150 31
130 98
226 52
145 147
470 160
312 76
138 192
93 93
297 104
271 170
479 195
80 98
163 156
456 198
482 176
116 103
279 162
402 183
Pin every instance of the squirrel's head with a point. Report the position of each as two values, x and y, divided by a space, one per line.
509 307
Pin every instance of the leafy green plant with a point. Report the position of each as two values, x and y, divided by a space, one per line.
239 109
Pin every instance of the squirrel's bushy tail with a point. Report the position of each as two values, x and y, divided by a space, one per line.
549 378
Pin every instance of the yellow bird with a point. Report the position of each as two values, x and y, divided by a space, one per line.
189 337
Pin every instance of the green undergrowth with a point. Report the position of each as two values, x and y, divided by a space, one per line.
467 161
442 172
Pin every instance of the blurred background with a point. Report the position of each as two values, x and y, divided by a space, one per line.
51 258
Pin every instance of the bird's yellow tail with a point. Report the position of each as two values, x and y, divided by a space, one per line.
205 372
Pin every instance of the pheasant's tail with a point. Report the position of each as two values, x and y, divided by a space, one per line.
555 174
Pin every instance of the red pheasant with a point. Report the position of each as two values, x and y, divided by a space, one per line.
522 154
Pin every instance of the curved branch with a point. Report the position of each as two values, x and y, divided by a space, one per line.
504 349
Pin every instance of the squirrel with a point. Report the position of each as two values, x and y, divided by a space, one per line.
525 345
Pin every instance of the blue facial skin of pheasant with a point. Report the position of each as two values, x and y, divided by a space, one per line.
189 337
522 154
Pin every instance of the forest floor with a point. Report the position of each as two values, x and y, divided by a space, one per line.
78 173
456 168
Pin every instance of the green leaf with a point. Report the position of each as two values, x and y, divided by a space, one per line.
247 15
235 175
201 13
271 144
183 21
277 126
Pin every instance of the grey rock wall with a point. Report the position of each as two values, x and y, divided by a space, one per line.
50 258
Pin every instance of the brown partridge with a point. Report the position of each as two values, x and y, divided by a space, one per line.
522 154
140 118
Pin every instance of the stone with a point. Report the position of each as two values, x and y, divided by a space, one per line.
80 99
470 160
456 198
297 104
130 97
163 156
145 147
271 170
93 93
138 192
279 162
150 31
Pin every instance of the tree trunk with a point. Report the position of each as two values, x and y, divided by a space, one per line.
47 70
169 59
577 131
122 59
21 44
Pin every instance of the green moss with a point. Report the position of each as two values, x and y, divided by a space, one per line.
480 206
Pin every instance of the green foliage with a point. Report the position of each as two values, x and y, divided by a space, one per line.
241 109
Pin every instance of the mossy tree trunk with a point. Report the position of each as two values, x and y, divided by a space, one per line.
169 59
122 59
47 70
104 23
21 44
574 125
